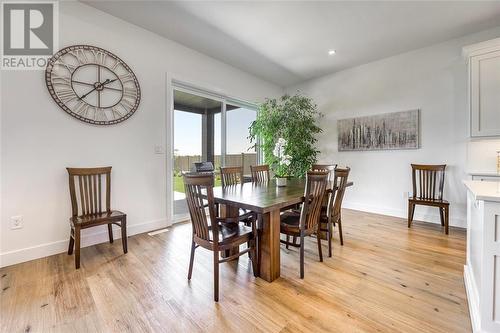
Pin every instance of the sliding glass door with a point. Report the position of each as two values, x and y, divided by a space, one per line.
196 139
208 127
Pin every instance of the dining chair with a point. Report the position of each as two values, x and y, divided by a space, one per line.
222 233
87 207
307 222
317 167
331 215
428 187
260 173
324 227
231 175
324 167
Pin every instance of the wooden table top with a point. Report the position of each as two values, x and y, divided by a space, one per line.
262 197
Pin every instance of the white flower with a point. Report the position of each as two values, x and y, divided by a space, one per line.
276 151
279 148
279 152
286 160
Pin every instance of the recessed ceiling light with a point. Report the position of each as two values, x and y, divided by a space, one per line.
332 52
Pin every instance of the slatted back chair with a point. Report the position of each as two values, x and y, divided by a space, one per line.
90 207
86 187
327 214
260 173
307 222
231 175
428 181
324 167
335 199
341 176
316 184
428 189
199 190
216 234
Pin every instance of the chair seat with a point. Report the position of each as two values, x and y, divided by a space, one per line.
233 233
429 202
92 219
290 223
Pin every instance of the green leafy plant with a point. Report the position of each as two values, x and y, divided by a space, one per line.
295 120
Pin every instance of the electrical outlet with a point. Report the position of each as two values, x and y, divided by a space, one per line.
406 195
16 222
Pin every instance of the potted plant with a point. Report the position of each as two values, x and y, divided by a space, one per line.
289 122
281 163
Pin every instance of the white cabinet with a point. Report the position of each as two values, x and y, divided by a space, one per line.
482 270
483 61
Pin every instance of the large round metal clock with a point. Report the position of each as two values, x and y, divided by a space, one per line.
92 84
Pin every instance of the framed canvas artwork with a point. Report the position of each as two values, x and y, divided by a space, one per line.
396 130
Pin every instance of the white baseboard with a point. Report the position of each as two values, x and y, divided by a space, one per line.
48 249
472 299
432 218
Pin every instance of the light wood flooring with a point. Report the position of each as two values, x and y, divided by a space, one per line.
386 278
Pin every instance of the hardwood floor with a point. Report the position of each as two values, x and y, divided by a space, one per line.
386 278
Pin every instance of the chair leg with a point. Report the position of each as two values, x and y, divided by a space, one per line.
216 276
287 240
441 215
446 219
320 250
77 247
110 232
294 239
71 243
340 231
301 257
329 235
191 260
124 234
411 211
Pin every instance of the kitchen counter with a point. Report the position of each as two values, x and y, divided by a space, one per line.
484 190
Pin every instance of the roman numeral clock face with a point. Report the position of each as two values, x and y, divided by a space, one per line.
92 84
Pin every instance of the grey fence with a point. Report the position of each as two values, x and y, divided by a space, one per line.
184 163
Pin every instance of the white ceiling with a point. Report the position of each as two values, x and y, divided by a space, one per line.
287 42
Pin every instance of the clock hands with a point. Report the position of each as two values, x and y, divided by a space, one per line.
95 87
98 86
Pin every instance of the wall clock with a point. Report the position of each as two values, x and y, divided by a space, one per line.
92 84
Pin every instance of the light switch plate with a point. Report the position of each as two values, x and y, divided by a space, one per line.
158 149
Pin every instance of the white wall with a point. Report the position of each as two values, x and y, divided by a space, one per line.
482 155
432 79
38 139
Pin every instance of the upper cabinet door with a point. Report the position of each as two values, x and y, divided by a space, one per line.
485 94
483 61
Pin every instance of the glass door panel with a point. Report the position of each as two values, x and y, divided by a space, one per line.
197 123
238 151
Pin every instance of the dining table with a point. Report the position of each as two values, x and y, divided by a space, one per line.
267 200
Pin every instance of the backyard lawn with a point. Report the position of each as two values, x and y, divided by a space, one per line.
179 184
